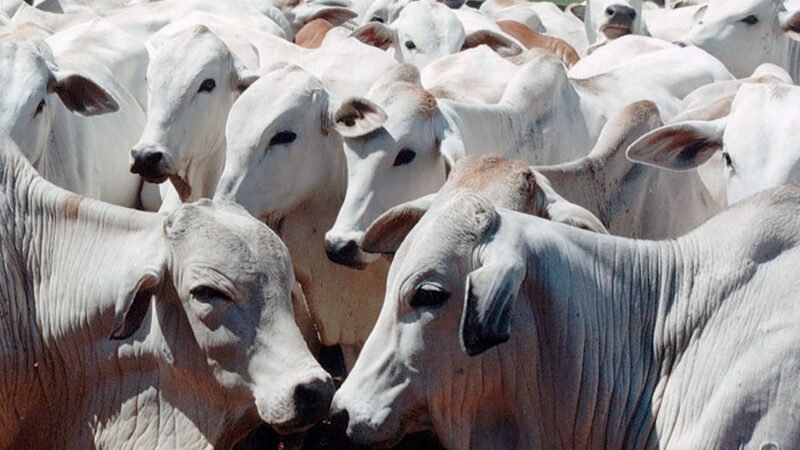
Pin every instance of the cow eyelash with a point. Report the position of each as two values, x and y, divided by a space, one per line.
750 20
39 108
207 85
428 296
410 45
207 293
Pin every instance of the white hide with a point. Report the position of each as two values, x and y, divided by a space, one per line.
543 118
746 33
171 328
758 141
72 119
502 330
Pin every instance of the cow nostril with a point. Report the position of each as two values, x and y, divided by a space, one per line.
342 252
307 394
154 158
340 418
609 11
679 44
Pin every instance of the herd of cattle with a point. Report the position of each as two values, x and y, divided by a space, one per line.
512 221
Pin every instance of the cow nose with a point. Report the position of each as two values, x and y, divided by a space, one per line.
148 164
313 400
343 252
621 13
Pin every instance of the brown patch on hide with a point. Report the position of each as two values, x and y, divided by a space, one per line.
72 206
313 33
531 39
506 182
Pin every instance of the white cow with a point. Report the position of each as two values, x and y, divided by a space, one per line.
502 330
400 141
285 165
121 328
47 106
426 30
607 20
757 140
199 67
745 33
555 22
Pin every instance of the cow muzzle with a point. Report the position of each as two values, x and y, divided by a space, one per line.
151 163
620 21
307 404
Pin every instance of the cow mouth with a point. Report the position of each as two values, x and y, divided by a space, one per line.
614 30
153 178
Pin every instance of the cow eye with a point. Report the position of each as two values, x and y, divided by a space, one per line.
404 157
750 20
376 19
207 294
207 85
428 296
283 137
727 158
39 108
410 45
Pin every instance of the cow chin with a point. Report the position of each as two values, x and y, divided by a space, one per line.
614 31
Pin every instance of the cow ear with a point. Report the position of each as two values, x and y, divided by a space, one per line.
358 116
679 147
335 15
578 11
81 95
375 34
790 23
551 205
504 46
389 230
490 293
133 302
245 77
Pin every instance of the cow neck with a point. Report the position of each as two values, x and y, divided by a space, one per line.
525 123
329 287
792 65
596 302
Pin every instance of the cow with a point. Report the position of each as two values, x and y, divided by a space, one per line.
72 119
555 22
426 30
756 141
503 330
400 141
746 33
284 163
123 328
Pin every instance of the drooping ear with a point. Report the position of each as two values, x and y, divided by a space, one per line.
490 294
245 77
504 46
375 34
389 230
133 301
81 95
790 19
577 10
336 15
358 116
679 147
551 205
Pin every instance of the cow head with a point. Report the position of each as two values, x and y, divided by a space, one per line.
745 33
192 81
610 19
226 274
426 30
393 147
450 293
757 141
281 145
35 90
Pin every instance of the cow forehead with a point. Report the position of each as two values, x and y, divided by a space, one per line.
763 110
224 236
449 231
23 73
724 9
187 52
